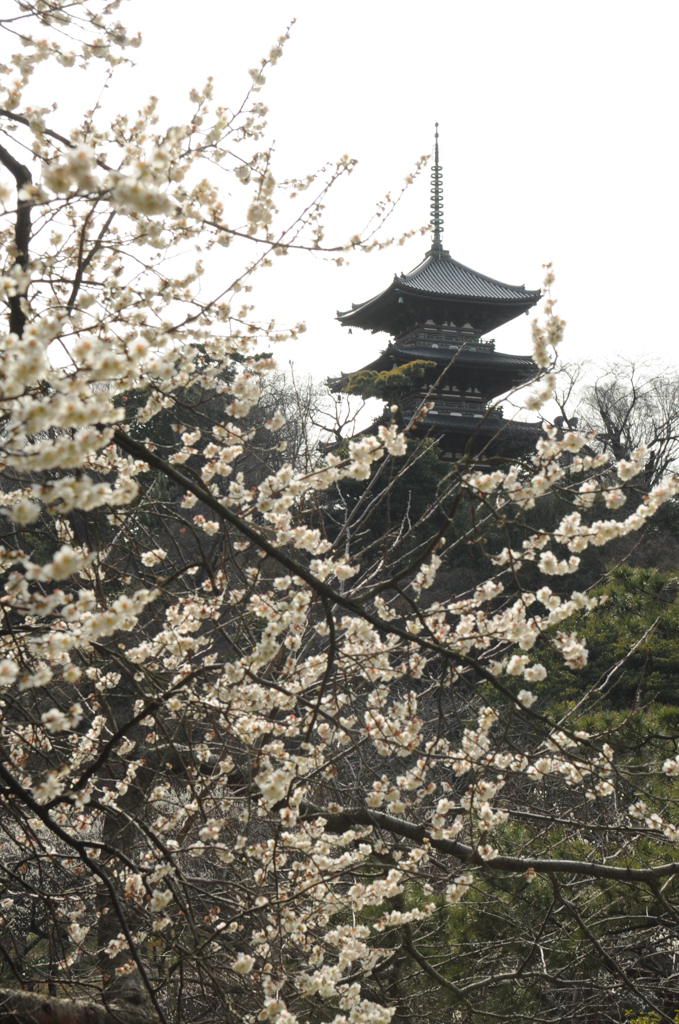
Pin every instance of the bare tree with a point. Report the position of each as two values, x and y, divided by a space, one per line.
305 405
626 405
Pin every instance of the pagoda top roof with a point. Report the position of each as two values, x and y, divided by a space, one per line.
440 290
440 274
444 291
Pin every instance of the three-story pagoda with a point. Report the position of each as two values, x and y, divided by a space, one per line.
438 313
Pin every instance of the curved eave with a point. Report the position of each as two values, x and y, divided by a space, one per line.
378 302
440 274
492 372
488 426
384 312
463 424
477 357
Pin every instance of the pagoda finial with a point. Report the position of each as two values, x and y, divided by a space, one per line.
436 197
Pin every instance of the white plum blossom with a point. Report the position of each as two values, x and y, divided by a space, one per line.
276 422
629 468
243 963
25 511
154 557
77 932
160 898
534 673
58 721
526 698
9 670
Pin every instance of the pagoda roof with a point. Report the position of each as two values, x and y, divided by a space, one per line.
443 291
490 422
491 433
473 364
440 273
440 290
475 355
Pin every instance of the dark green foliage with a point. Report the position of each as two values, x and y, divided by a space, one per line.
388 385
642 611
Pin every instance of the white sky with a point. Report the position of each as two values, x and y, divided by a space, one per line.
558 132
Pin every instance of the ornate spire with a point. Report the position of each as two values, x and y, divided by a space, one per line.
436 197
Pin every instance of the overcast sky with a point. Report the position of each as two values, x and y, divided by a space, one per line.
558 131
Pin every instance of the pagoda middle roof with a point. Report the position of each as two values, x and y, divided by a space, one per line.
442 290
476 356
476 365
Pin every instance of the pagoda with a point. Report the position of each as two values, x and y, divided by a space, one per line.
436 316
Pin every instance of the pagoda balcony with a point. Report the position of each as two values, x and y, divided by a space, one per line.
451 407
446 340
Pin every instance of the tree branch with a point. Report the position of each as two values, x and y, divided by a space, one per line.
470 855
16 1005
22 236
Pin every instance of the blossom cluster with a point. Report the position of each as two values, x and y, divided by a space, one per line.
226 702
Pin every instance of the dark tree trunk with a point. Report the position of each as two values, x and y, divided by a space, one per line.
22 237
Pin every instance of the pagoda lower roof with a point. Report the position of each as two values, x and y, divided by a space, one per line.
489 423
442 291
511 436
